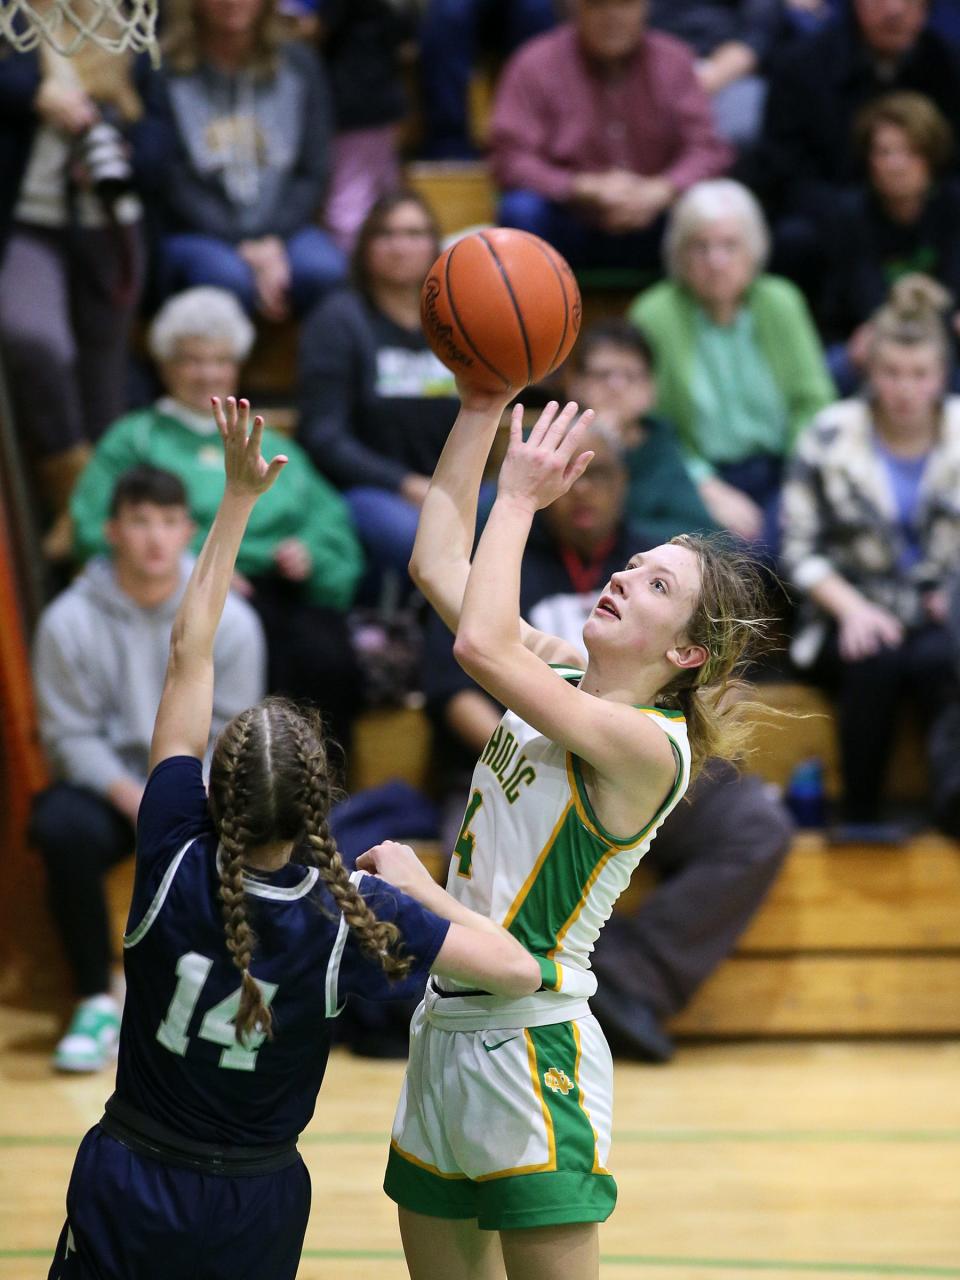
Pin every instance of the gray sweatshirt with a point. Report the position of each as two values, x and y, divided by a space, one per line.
99 661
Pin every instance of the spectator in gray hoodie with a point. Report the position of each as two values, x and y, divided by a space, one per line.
99 660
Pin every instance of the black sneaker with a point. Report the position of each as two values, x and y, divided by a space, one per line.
632 1028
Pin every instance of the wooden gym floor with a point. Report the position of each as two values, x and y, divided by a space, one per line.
776 1159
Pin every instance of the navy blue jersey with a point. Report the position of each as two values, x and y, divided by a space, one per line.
179 1059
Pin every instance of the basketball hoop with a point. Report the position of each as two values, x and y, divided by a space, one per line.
113 25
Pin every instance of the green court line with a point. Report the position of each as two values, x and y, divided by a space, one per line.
652 1261
627 1137
852 1136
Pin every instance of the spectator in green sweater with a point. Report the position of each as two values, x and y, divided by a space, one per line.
300 560
612 370
740 369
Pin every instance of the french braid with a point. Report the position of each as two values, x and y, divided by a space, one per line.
234 757
378 939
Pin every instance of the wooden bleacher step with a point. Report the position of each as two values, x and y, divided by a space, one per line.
852 940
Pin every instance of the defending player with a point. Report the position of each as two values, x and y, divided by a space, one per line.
504 1121
245 936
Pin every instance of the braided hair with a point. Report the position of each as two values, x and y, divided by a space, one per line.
270 781
377 938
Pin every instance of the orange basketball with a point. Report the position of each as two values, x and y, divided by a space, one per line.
501 308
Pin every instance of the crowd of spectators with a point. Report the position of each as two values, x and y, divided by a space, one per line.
774 188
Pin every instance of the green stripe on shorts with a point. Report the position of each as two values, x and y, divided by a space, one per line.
556 1053
421 1190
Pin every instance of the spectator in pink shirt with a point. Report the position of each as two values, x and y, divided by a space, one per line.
597 127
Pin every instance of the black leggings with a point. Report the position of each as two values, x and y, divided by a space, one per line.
80 835
869 697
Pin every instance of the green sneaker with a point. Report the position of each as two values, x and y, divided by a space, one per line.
92 1037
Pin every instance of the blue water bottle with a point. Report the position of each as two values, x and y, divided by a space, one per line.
805 796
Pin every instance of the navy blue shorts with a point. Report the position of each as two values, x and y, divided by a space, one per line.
130 1216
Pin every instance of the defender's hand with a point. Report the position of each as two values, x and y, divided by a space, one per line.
247 471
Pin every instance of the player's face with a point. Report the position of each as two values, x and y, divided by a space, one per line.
897 170
611 29
907 383
148 540
201 368
614 382
718 265
645 607
403 248
891 26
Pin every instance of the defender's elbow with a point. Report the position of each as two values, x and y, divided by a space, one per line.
521 976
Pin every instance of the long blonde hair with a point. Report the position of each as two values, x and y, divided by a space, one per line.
731 619
182 43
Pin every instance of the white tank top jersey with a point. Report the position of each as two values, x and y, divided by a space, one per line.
533 856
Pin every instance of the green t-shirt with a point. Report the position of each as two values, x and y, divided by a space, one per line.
738 409
302 504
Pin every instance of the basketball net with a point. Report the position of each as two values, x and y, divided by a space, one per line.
113 25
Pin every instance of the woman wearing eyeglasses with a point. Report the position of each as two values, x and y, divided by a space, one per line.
376 403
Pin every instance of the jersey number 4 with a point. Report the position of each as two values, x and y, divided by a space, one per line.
466 840
217 1025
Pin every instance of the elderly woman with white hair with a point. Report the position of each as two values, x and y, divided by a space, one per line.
740 369
300 560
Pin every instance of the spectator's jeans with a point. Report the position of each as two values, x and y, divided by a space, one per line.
190 259
580 243
450 37
738 110
760 478
79 835
65 329
386 524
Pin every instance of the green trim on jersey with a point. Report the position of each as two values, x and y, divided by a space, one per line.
566 671
564 876
630 841
549 972
568 869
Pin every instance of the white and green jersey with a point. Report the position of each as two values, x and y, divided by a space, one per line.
533 856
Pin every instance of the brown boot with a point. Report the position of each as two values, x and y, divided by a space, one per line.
57 474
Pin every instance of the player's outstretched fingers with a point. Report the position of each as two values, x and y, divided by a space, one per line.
570 445
256 436
542 424
558 429
516 425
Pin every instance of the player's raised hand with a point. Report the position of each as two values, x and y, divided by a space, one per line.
247 471
539 469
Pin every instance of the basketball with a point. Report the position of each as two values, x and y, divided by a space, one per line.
501 308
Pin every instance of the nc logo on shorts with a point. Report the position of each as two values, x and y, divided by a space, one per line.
558 1081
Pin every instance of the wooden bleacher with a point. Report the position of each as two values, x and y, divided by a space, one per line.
852 940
